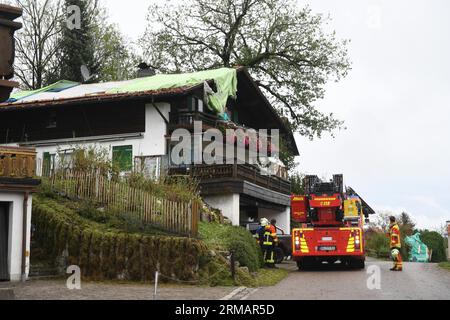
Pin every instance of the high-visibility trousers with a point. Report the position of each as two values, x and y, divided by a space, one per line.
269 254
398 261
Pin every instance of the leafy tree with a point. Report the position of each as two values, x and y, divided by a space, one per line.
37 42
406 224
297 186
48 51
435 242
284 46
116 58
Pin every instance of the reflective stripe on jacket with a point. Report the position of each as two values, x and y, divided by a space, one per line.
394 234
270 236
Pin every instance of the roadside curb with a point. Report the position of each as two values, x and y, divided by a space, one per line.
241 293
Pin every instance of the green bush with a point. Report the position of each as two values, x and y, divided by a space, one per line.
232 238
378 243
435 242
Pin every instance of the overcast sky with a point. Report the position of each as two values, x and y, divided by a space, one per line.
395 102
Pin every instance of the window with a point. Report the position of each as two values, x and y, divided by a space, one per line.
66 159
122 157
48 163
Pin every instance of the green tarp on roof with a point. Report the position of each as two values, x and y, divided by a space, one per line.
55 87
224 78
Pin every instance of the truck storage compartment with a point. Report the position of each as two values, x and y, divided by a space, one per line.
299 209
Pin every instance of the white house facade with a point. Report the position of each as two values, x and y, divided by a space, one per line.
135 127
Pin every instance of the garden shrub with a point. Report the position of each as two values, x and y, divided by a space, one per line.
232 238
435 242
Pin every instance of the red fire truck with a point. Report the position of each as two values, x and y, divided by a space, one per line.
331 222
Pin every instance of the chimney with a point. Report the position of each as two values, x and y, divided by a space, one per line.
145 70
7 28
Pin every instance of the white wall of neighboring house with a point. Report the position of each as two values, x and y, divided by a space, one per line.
16 201
283 217
228 204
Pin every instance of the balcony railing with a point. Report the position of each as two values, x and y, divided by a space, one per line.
17 163
187 118
245 172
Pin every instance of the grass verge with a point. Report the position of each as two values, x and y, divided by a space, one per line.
445 265
270 277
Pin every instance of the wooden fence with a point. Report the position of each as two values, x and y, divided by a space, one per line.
177 217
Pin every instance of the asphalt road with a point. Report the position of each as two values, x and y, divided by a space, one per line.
418 281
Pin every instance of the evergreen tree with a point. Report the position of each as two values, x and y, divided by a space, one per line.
78 45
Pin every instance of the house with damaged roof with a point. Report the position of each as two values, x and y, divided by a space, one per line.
135 120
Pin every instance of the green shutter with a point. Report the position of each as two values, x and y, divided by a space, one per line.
46 164
123 157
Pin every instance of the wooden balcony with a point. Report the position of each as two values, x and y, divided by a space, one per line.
234 172
17 163
185 119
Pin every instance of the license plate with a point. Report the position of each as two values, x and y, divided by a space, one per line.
327 239
327 248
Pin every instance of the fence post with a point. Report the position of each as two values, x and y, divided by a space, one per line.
194 219
155 294
233 266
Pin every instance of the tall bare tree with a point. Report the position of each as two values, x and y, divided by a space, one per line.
284 46
47 50
37 42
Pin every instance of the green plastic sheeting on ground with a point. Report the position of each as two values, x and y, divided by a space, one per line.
224 78
419 251
55 87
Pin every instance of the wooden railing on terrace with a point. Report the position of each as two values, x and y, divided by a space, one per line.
177 217
245 172
187 118
17 163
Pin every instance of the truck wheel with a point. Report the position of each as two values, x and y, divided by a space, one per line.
279 255
361 264
306 264
357 264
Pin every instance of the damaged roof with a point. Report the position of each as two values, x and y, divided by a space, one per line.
63 91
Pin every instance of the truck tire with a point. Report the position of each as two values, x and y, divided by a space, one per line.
361 264
357 264
279 255
306 264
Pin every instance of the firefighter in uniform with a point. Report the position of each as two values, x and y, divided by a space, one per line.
269 242
395 244
259 235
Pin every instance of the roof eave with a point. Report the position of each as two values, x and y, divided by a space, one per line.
100 98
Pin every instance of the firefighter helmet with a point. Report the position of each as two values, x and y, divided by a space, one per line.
264 222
